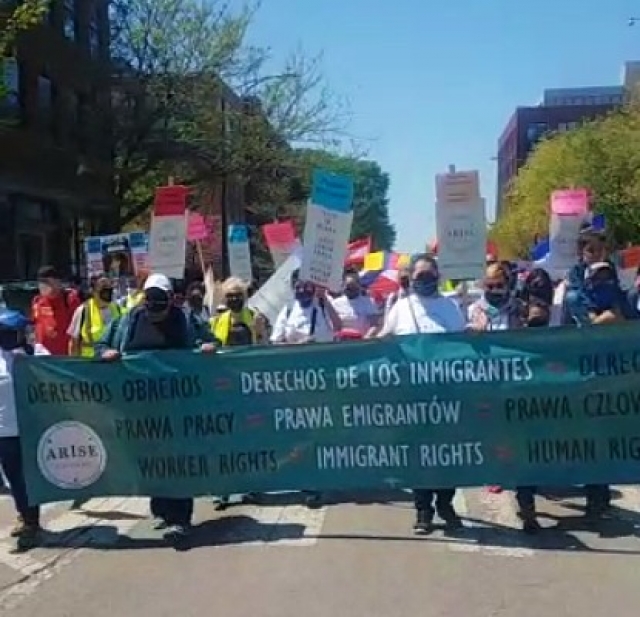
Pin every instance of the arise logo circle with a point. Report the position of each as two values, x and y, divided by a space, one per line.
71 455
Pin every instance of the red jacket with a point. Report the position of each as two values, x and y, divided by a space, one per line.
51 316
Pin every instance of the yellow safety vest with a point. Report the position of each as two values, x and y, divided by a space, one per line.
133 299
448 286
221 325
93 326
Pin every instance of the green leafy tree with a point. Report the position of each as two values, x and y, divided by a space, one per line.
603 156
371 185
199 103
15 20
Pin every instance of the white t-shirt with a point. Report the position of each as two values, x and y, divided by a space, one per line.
415 315
8 416
76 321
293 324
357 314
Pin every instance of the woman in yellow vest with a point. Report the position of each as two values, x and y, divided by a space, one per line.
135 295
238 325
92 318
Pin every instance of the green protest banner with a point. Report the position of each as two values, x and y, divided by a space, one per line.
550 407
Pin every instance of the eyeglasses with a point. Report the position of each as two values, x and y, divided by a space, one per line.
495 286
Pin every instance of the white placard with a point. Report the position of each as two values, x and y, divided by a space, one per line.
239 252
168 245
564 230
325 239
462 239
277 292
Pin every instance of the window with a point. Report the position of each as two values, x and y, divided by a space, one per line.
69 19
535 132
45 94
94 32
11 83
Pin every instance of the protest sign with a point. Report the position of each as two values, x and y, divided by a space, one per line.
239 252
277 292
168 234
281 240
327 229
117 255
457 187
462 239
507 408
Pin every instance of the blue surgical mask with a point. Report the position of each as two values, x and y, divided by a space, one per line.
425 285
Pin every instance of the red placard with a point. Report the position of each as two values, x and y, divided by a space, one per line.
170 200
279 235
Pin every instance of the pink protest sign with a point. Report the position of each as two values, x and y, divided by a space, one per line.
197 228
279 235
570 202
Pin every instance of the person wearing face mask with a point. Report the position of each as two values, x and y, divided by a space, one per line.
197 313
425 311
238 325
537 315
92 318
52 311
403 290
310 318
356 310
13 325
497 309
155 325
604 296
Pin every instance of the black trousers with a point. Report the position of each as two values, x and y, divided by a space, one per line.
172 511
598 496
526 498
424 498
11 461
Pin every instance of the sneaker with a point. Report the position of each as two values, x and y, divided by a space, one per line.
424 522
222 503
531 526
159 524
449 517
177 533
25 530
313 500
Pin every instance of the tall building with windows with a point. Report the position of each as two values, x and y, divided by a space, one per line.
55 140
561 109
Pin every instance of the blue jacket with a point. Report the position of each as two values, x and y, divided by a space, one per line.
116 335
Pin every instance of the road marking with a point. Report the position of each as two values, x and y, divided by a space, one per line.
290 525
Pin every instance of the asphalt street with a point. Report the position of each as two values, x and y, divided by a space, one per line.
356 556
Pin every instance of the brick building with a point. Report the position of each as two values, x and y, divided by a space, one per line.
526 127
55 140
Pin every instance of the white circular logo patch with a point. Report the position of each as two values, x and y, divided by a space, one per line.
71 455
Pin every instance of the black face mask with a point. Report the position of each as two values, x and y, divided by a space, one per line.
106 295
352 293
537 322
196 301
235 303
10 339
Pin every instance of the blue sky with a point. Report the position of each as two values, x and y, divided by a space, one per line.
433 82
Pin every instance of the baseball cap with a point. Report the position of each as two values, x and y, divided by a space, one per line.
13 320
158 281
